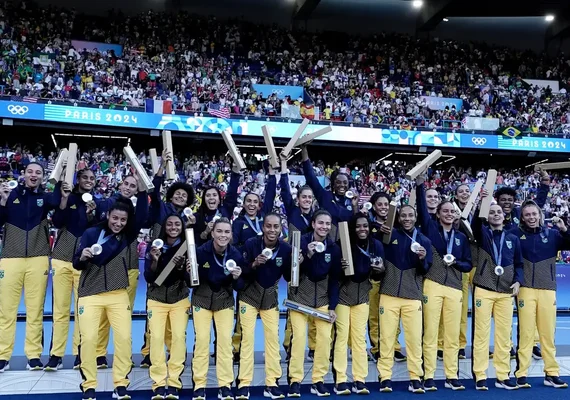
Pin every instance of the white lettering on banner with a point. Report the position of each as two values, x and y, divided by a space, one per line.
98 116
538 144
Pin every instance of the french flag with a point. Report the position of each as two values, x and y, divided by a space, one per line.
158 106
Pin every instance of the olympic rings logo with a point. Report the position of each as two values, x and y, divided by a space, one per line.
478 141
19 110
279 92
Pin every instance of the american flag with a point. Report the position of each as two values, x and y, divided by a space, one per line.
25 99
217 111
224 89
464 122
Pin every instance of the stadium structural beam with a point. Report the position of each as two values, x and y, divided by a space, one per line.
431 14
304 9
558 29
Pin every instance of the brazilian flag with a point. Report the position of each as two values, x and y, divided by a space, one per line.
511 132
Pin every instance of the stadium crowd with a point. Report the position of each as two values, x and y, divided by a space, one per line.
201 63
203 170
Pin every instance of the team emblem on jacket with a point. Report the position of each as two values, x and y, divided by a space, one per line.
509 244
457 242
425 299
196 308
381 310
81 309
328 257
279 261
521 303
40 202
149 314
242 310
478 303
1 273
516 220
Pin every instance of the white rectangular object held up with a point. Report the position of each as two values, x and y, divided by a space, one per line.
167 145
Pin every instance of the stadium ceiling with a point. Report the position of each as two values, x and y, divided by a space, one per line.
433 12
304 8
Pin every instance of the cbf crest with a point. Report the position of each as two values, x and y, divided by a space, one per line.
1 273
279 261
243 309
509 244
457 242
521 303
327 257
40 202
81 310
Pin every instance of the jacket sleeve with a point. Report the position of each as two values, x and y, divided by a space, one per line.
85 242
149 275
542 195
323 196
518 263
334 279
270 191
53 199
141 214
231 199
464 264
423 214
60 217
286 196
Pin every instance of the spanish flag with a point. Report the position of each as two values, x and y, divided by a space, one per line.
511 132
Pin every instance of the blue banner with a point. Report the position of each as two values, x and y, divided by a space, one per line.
280 90
286 130
439 103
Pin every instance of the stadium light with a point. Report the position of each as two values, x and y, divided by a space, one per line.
445 20
549 18
417 3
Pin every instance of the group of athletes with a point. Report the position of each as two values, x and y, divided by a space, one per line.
421 277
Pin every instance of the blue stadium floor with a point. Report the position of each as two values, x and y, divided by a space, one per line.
538 390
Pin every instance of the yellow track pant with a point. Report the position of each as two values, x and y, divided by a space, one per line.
350 326
30 275
224 322
499 306
161 372
536 309
373 324
392 309
65 280
104 326
441 302
312 333
115 307
299 322
270 321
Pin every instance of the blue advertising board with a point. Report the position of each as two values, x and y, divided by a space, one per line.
248 127
281 91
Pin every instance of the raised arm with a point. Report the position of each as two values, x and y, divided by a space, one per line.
230 201
270 191
322 195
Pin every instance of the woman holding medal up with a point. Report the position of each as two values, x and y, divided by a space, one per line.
178 200
266 258
352 310
76 213
102 259
128 192
408 259
497 280
300 217
219 267
318 288
377 216
442 288
167 304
